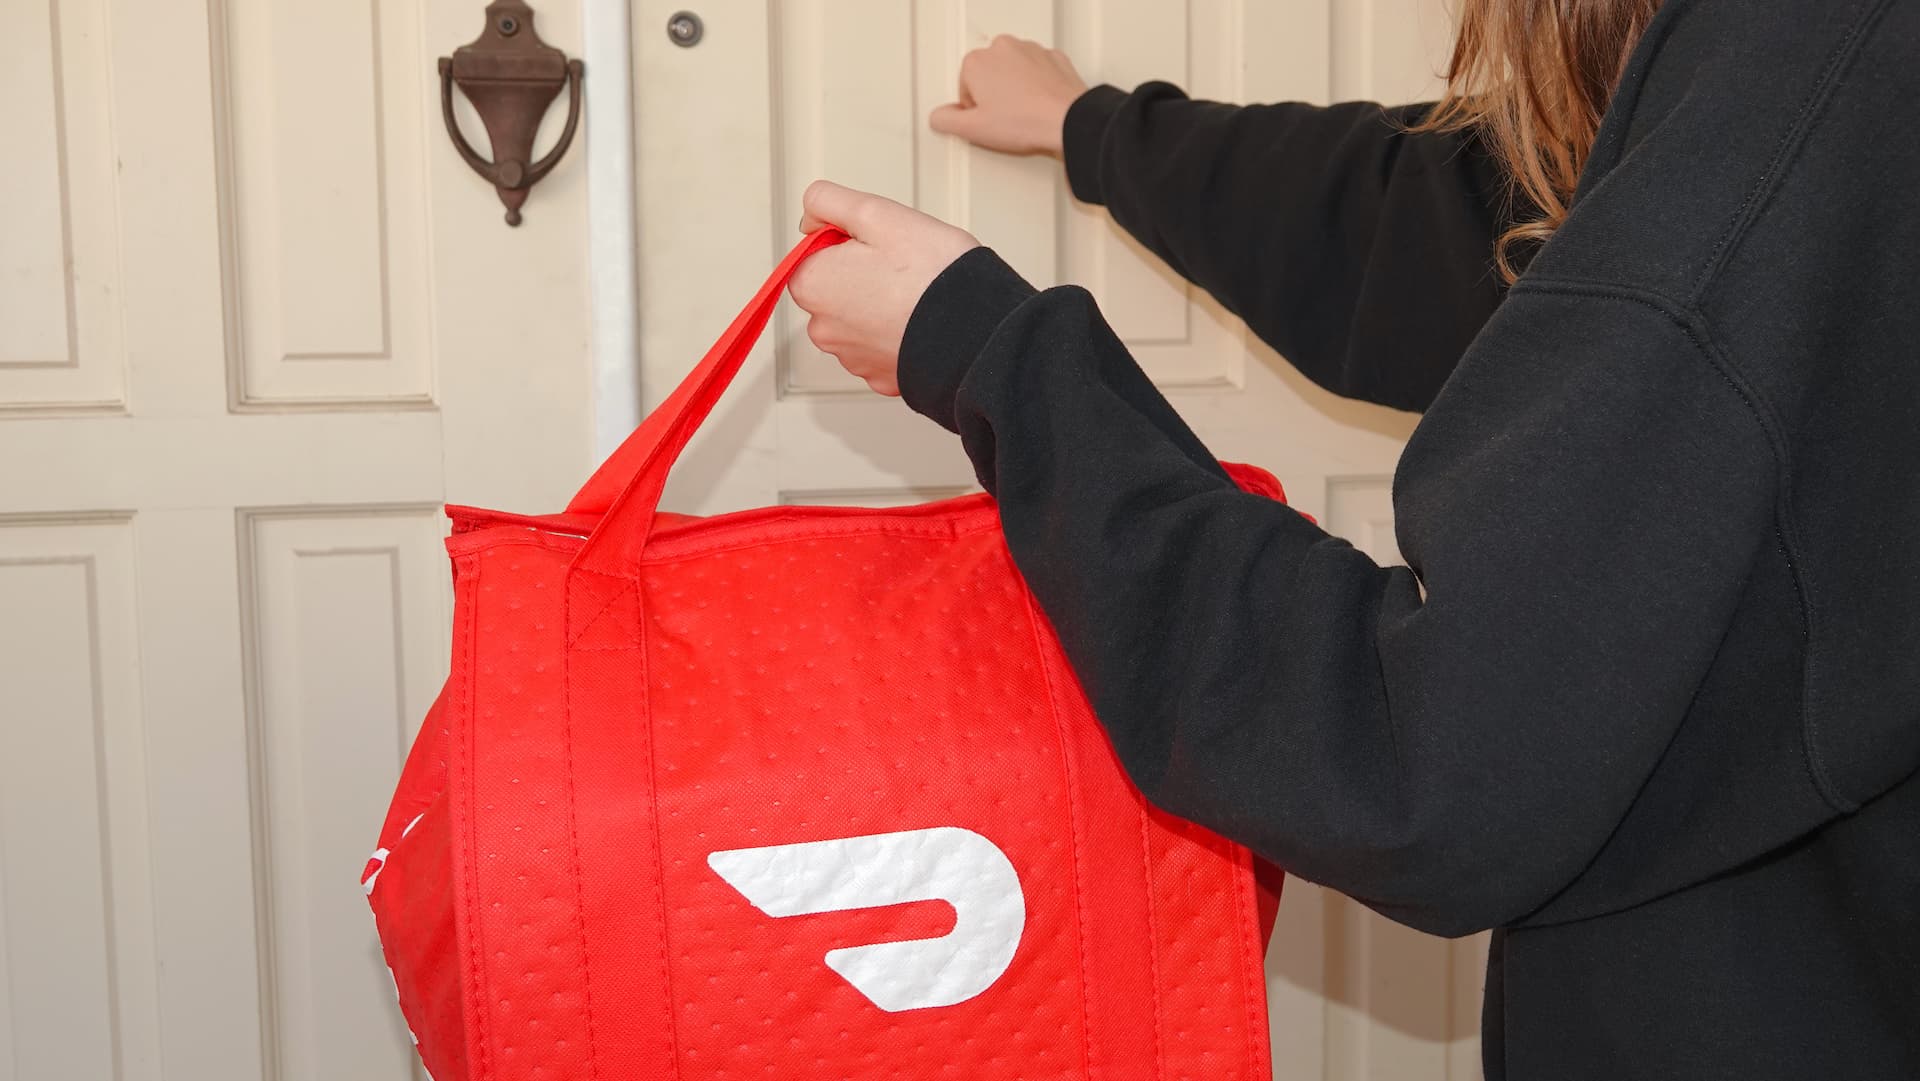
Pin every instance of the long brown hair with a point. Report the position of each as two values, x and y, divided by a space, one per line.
1534 77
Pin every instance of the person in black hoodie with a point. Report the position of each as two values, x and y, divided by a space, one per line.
1646 698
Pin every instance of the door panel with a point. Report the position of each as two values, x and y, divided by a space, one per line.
355 609
327 191
60 287
75 905
797 89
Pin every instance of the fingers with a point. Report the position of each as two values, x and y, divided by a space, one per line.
958 120
832 337
803 289
812 285
820 331
954 119
827 203
818 285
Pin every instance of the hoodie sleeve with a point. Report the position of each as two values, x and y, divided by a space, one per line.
1450 742
1359 249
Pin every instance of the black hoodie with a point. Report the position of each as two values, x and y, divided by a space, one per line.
1647 697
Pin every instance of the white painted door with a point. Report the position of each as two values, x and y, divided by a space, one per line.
778 93
257 322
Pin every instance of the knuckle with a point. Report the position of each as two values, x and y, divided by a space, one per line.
858 216
801 289
820 331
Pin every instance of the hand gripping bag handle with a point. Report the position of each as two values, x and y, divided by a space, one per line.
626 489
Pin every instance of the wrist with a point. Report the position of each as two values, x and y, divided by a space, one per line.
952 322
1053 128
1082 131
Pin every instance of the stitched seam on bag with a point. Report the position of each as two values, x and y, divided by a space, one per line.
785 537
600 612
1242 948
579 893
1073 823
659 845
934 530
697 540
631 637
476 952
464 544
1247 918
775 532
1153 940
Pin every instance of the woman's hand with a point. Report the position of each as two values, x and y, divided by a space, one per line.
860 294
1014 96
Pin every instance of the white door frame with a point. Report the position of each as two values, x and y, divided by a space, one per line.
612 237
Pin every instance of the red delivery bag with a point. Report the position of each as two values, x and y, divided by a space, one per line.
798 792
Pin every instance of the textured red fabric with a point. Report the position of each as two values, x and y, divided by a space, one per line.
583 870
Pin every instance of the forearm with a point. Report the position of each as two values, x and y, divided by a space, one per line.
1361 250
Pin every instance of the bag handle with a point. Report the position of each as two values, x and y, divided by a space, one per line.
626 489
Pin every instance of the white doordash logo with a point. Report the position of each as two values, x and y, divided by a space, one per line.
947 863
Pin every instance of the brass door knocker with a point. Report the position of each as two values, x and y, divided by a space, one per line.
511 76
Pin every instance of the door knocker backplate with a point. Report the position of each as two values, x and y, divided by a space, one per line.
511 76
